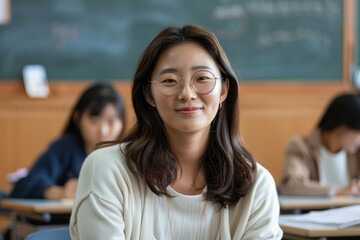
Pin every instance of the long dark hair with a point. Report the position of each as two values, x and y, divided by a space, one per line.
95 99
229 168
343 110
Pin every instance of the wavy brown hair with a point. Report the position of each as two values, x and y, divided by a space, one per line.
229 168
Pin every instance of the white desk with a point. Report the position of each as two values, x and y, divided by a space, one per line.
312 202
36 209
311 230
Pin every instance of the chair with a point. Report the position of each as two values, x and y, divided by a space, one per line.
52 234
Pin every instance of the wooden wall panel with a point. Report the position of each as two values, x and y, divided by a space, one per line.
29 126
268 124
34 133
7 148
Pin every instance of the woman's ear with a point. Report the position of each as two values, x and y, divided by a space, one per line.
224 90
149 98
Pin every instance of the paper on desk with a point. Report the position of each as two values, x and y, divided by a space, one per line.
339 217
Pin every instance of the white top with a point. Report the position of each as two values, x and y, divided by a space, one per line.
111 203
333 168
186 213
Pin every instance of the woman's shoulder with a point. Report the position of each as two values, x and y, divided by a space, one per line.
108 157
262 189
67 141
263 176
263 183
300 142
296 140
67 146
108 163
105 172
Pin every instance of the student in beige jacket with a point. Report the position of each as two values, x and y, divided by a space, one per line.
328 161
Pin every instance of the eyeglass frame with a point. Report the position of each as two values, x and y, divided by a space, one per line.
191 83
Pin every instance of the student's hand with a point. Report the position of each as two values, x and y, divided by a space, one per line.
70 188
355 186
352 189
58 192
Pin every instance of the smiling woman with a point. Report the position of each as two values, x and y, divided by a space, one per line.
184 153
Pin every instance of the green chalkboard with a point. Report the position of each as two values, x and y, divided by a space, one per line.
286 40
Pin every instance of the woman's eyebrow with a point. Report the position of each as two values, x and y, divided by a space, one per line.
175 70
201 67
168 70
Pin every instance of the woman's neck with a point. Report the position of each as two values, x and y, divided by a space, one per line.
331 140
189 150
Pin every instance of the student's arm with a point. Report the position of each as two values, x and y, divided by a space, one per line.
44 174
297 167
99 219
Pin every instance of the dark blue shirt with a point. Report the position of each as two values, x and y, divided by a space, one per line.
62 161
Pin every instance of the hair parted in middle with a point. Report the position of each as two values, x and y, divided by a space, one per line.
229 168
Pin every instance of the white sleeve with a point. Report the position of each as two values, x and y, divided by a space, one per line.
98 219
263 222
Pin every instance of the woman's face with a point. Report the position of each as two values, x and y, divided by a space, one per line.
350 140
187 110
105 127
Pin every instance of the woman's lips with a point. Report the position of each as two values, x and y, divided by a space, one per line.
190 110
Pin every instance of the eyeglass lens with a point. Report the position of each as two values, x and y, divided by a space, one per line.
202 81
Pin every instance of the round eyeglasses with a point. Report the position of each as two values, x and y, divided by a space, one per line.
169 84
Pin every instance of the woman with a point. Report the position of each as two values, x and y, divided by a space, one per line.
327 162
97 116
182 172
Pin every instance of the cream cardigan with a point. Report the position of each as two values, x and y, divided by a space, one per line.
111 203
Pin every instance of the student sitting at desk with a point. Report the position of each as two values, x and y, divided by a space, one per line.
97 116
328 161
182 172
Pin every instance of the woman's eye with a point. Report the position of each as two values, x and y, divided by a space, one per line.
169 81
113 121
94 120
203 78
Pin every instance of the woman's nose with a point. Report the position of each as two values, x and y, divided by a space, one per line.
187 92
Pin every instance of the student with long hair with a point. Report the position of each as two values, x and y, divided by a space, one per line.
327 162
182 172
97 116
